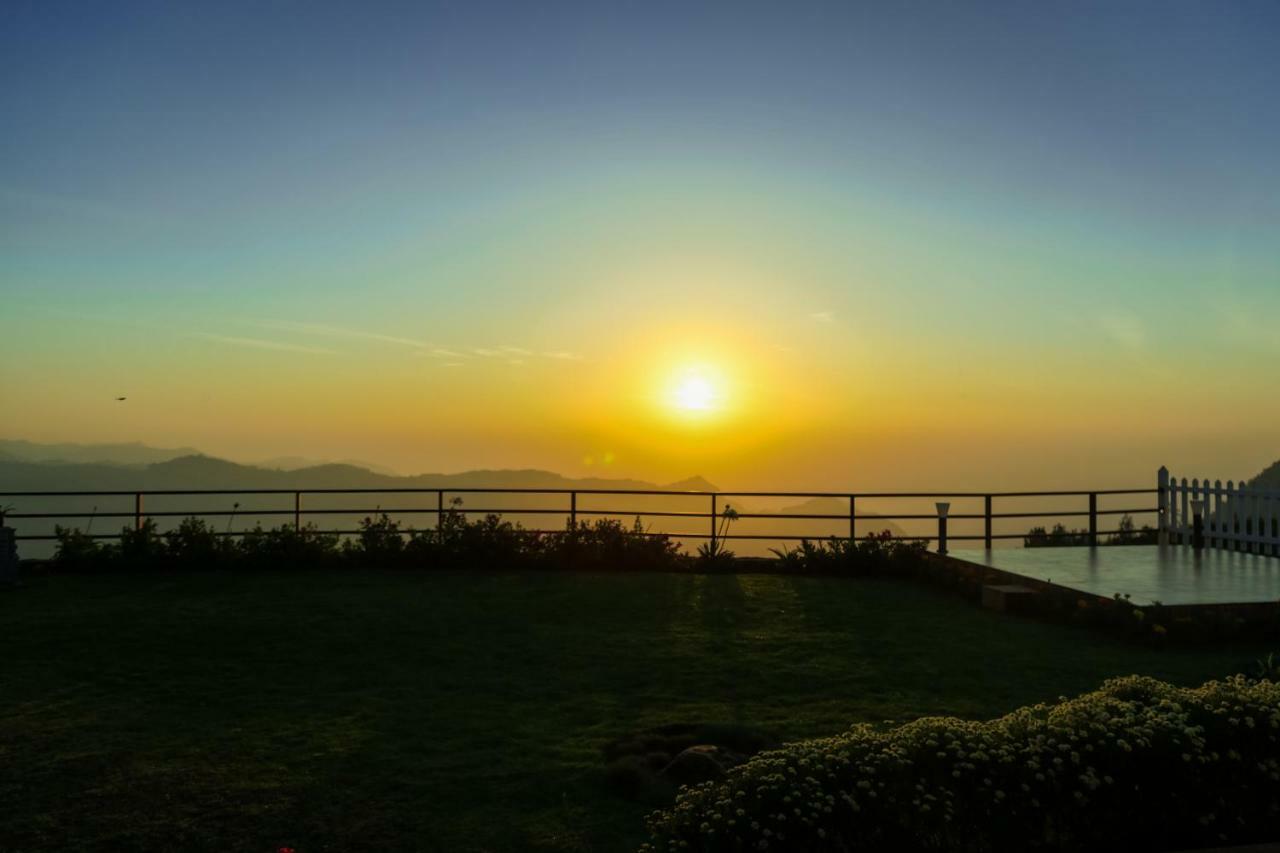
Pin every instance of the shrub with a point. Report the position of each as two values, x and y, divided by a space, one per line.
379 543
287 547
194 544
606 545
77 551
877 554
1137 765
1060 537
141 547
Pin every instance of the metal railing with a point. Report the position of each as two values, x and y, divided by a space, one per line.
717 505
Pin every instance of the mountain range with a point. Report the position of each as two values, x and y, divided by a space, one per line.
51 468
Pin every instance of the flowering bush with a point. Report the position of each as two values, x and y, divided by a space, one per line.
1136 765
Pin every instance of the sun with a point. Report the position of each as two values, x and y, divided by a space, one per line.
694 394
696 391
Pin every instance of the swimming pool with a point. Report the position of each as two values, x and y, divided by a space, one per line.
1172 574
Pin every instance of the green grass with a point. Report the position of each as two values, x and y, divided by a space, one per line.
372 711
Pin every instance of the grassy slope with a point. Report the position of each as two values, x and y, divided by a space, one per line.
390 712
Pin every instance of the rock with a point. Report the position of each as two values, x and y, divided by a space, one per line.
700 763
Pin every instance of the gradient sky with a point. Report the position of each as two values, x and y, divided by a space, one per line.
937 244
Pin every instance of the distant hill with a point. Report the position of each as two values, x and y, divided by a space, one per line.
240 511
294 463
132 453
196 471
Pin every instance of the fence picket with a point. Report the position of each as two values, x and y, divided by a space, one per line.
1255 521
1185 529
1217 514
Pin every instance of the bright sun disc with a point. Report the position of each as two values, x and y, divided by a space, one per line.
695 392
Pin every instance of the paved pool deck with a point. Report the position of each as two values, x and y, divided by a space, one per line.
1173 574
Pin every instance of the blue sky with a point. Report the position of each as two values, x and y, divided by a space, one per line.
1039 185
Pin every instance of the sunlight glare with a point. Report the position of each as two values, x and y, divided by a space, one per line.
696 392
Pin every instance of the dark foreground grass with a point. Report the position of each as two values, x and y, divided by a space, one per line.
373 711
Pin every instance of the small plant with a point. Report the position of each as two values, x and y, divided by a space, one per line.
714 555
1266 668
789 559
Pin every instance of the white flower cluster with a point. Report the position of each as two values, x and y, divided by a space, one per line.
1138 764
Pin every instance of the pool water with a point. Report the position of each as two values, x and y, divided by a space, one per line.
1171 575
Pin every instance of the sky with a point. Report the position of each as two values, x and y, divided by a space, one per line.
781 245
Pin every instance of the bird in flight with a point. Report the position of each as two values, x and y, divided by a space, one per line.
121 399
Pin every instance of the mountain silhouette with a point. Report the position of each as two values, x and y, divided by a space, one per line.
200 472
130 453
293 463
197 471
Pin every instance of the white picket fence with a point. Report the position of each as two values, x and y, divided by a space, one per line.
1235 517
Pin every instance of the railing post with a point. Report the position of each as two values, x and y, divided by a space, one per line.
713 523
1093 519
986 514
1197 524
573 509
137 511
439 509
943 509
1162 505
853 519
297 512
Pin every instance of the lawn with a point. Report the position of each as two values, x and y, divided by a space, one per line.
378 711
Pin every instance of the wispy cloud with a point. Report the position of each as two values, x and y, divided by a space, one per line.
511 354
822 317
338 332
255 343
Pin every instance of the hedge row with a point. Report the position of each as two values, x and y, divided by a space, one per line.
458 543
1136 765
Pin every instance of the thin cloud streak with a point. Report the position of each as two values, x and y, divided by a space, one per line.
255 343
338 332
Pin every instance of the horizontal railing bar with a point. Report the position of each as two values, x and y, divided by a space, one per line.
356 532
1072 513
248 513
530 491
757 536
